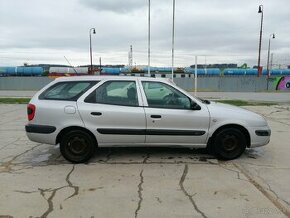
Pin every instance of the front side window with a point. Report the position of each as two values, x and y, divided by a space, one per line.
161 95
67 91
115 93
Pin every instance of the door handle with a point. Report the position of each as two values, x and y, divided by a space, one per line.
96 113
155 116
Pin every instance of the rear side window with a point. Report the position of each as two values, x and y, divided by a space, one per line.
116 93
67 91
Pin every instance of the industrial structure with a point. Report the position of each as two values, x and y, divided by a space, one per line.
209 70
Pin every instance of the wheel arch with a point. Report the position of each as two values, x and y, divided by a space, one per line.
67 129
236 126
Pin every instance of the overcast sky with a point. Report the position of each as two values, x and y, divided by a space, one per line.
218 31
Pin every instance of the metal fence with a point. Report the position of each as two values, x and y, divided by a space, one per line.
226 83
204 83
23 83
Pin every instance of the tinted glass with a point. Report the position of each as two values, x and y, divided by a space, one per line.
67 91
115 93
161 95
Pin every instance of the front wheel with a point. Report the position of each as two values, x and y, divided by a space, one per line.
77 146
229 143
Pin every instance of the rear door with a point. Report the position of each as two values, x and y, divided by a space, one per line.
112 112
170 117
56 106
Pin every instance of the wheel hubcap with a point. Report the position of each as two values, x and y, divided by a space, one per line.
77 145
230 142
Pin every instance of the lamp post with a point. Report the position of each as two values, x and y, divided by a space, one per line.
149 5
173 31
94 32
260 11
272 36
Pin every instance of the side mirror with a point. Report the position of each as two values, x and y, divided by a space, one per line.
194 106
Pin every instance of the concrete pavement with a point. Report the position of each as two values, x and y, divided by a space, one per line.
35 181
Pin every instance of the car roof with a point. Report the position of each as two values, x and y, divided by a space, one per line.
96 78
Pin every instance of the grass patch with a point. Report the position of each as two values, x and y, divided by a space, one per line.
14 100
246 103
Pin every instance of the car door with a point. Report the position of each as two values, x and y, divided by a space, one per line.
172 119
112 112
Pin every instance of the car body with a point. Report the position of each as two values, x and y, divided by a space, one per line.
85 112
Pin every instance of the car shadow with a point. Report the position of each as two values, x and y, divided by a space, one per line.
135 155
129 155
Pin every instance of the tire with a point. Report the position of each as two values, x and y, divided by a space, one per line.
229 143
77 146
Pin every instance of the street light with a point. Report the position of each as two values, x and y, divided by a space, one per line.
94 32
149 37
260 11
173 31
272 36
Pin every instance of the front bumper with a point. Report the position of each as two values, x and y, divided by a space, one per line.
259 136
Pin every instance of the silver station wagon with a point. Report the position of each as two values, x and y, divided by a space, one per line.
83 113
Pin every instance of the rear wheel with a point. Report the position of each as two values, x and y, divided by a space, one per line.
77 146
229 143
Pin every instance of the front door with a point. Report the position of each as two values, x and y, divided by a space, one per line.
170 117
113 114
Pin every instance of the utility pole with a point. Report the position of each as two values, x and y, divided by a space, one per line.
100 61
195 77
130 58
91 56
149 36
261 11
173 33
272 36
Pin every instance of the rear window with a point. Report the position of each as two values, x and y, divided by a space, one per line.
67 91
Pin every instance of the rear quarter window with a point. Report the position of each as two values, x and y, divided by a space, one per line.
66 91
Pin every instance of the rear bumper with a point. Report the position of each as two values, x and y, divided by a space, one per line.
43 129
41 133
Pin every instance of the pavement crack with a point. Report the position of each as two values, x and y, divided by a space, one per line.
158 199
25 192
7 166
108 156
259 165
140 189
76 188
271 190
275 120
237 172
283 108
10 143
266 192
190 197
49 201
146 158
274 112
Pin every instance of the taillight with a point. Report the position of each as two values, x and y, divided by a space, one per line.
30 111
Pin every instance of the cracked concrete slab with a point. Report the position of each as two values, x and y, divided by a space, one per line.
35 181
